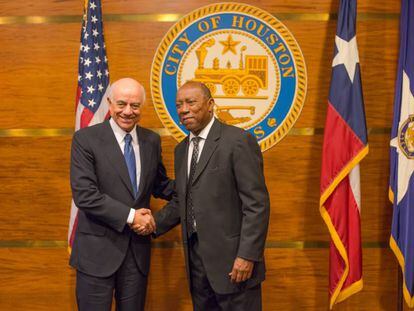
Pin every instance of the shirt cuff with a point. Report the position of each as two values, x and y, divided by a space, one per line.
130 219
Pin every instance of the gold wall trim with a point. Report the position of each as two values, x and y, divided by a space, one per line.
36 132
55 132
176 244
33 244
303 131
172 17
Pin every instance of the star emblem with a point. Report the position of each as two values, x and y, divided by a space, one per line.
89 75
91 103
347 55
94 19
229 45
87 62
93 5
90 89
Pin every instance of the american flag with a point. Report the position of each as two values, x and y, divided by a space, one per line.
345 144
93 81
402 155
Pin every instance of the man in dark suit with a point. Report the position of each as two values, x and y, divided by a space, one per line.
223 205
115 168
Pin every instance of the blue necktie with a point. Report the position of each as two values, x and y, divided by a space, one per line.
130 162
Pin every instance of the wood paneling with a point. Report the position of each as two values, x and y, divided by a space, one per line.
40 279
38 74
73 7
38 185
45 96
34 176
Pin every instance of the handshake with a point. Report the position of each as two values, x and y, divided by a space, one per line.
144 223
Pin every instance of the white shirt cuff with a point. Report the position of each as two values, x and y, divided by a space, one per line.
131 216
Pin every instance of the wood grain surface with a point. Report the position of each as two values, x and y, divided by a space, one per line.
38 73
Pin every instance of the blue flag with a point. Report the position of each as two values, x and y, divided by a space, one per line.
402 155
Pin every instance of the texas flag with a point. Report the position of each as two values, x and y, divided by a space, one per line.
345 145
402 155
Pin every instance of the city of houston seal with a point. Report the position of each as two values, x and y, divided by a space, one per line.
248 59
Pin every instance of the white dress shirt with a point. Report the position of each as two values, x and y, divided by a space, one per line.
203 135
120 138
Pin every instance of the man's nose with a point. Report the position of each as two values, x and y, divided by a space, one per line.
184 108
128 109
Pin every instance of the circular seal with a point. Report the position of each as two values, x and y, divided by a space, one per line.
248 59
406 137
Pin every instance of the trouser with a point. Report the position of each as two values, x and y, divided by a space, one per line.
203 296
128 284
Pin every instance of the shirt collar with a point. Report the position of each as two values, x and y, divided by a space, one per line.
204 132
120 133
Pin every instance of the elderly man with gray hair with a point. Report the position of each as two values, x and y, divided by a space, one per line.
115 168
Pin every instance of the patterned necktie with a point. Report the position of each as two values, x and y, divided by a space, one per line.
191 221
130 162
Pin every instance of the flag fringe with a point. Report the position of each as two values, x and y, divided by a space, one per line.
350 290
339 294
409 299
391 195
344 172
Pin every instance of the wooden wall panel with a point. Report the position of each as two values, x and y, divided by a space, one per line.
38 74
73 7
34 177
36 279
38 184
45 97
40 279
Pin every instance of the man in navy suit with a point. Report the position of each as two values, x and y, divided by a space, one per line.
115 168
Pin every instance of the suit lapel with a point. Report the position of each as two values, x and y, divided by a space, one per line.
145 153
182 154
209 146
115 155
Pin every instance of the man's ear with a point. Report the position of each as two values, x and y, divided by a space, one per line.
211 103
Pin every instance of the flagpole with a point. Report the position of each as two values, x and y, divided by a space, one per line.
399 289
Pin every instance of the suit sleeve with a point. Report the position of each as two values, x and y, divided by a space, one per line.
168 217
85 189
248 171
163 186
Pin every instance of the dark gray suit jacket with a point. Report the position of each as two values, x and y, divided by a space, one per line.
102 191
231 204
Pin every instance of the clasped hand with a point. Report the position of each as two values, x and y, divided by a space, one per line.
144 223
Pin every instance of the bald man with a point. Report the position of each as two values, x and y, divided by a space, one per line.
115 168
